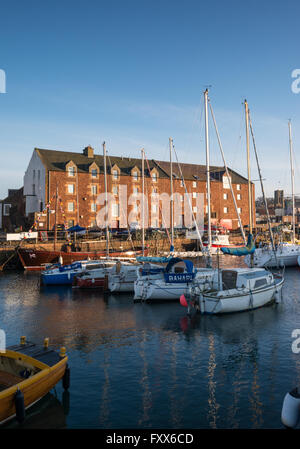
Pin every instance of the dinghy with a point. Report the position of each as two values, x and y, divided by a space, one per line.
27 373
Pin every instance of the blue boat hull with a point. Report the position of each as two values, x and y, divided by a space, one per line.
58 278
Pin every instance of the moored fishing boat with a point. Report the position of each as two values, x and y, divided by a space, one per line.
27 373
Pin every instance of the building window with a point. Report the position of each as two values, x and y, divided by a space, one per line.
135 190
225 196
115 174
181 183
239 196
115 190
70 223
194 183
70 188
6 209
154 177
195 209
71 207
238 187
154 208
135 176
115 210
239 210
71 171
226 182
194 194
94 190
94 207
225 210
94 173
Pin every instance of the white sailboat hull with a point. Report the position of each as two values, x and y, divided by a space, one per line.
285 256
235 300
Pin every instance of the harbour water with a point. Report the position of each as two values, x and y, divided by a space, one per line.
144 366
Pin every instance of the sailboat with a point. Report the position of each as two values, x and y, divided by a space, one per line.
285 254
239 289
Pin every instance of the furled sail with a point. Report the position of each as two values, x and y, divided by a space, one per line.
249 249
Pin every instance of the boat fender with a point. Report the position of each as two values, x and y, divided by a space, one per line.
20 406
66 378
290 413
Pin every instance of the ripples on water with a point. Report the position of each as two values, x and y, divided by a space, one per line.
150 366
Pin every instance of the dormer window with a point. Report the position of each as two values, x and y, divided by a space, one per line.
94 173
115 174
71 171
135 176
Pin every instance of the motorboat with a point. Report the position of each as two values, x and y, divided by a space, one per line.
168 283
95 277
27 373
237 290
64 274
122 276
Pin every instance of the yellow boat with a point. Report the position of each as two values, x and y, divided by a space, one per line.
27 373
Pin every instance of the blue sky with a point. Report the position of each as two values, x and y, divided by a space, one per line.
133 73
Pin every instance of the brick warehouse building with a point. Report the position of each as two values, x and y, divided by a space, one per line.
78 180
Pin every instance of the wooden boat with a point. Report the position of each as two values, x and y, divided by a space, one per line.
35 260
27 373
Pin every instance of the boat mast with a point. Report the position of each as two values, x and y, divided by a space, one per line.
106 201
207 172
55 224
292 179
248 166
171 190
143 201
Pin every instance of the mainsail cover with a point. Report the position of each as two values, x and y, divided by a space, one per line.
249 249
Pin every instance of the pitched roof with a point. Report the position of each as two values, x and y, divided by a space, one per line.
57 160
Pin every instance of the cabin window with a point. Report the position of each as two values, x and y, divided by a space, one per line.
260 283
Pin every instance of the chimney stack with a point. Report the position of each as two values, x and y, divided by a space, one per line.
88 151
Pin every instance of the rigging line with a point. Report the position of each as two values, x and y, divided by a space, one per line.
227 173
159 206
263 190
123 212
188 197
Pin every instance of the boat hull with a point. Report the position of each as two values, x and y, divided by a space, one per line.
34 388
210 304
91 282
35 260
